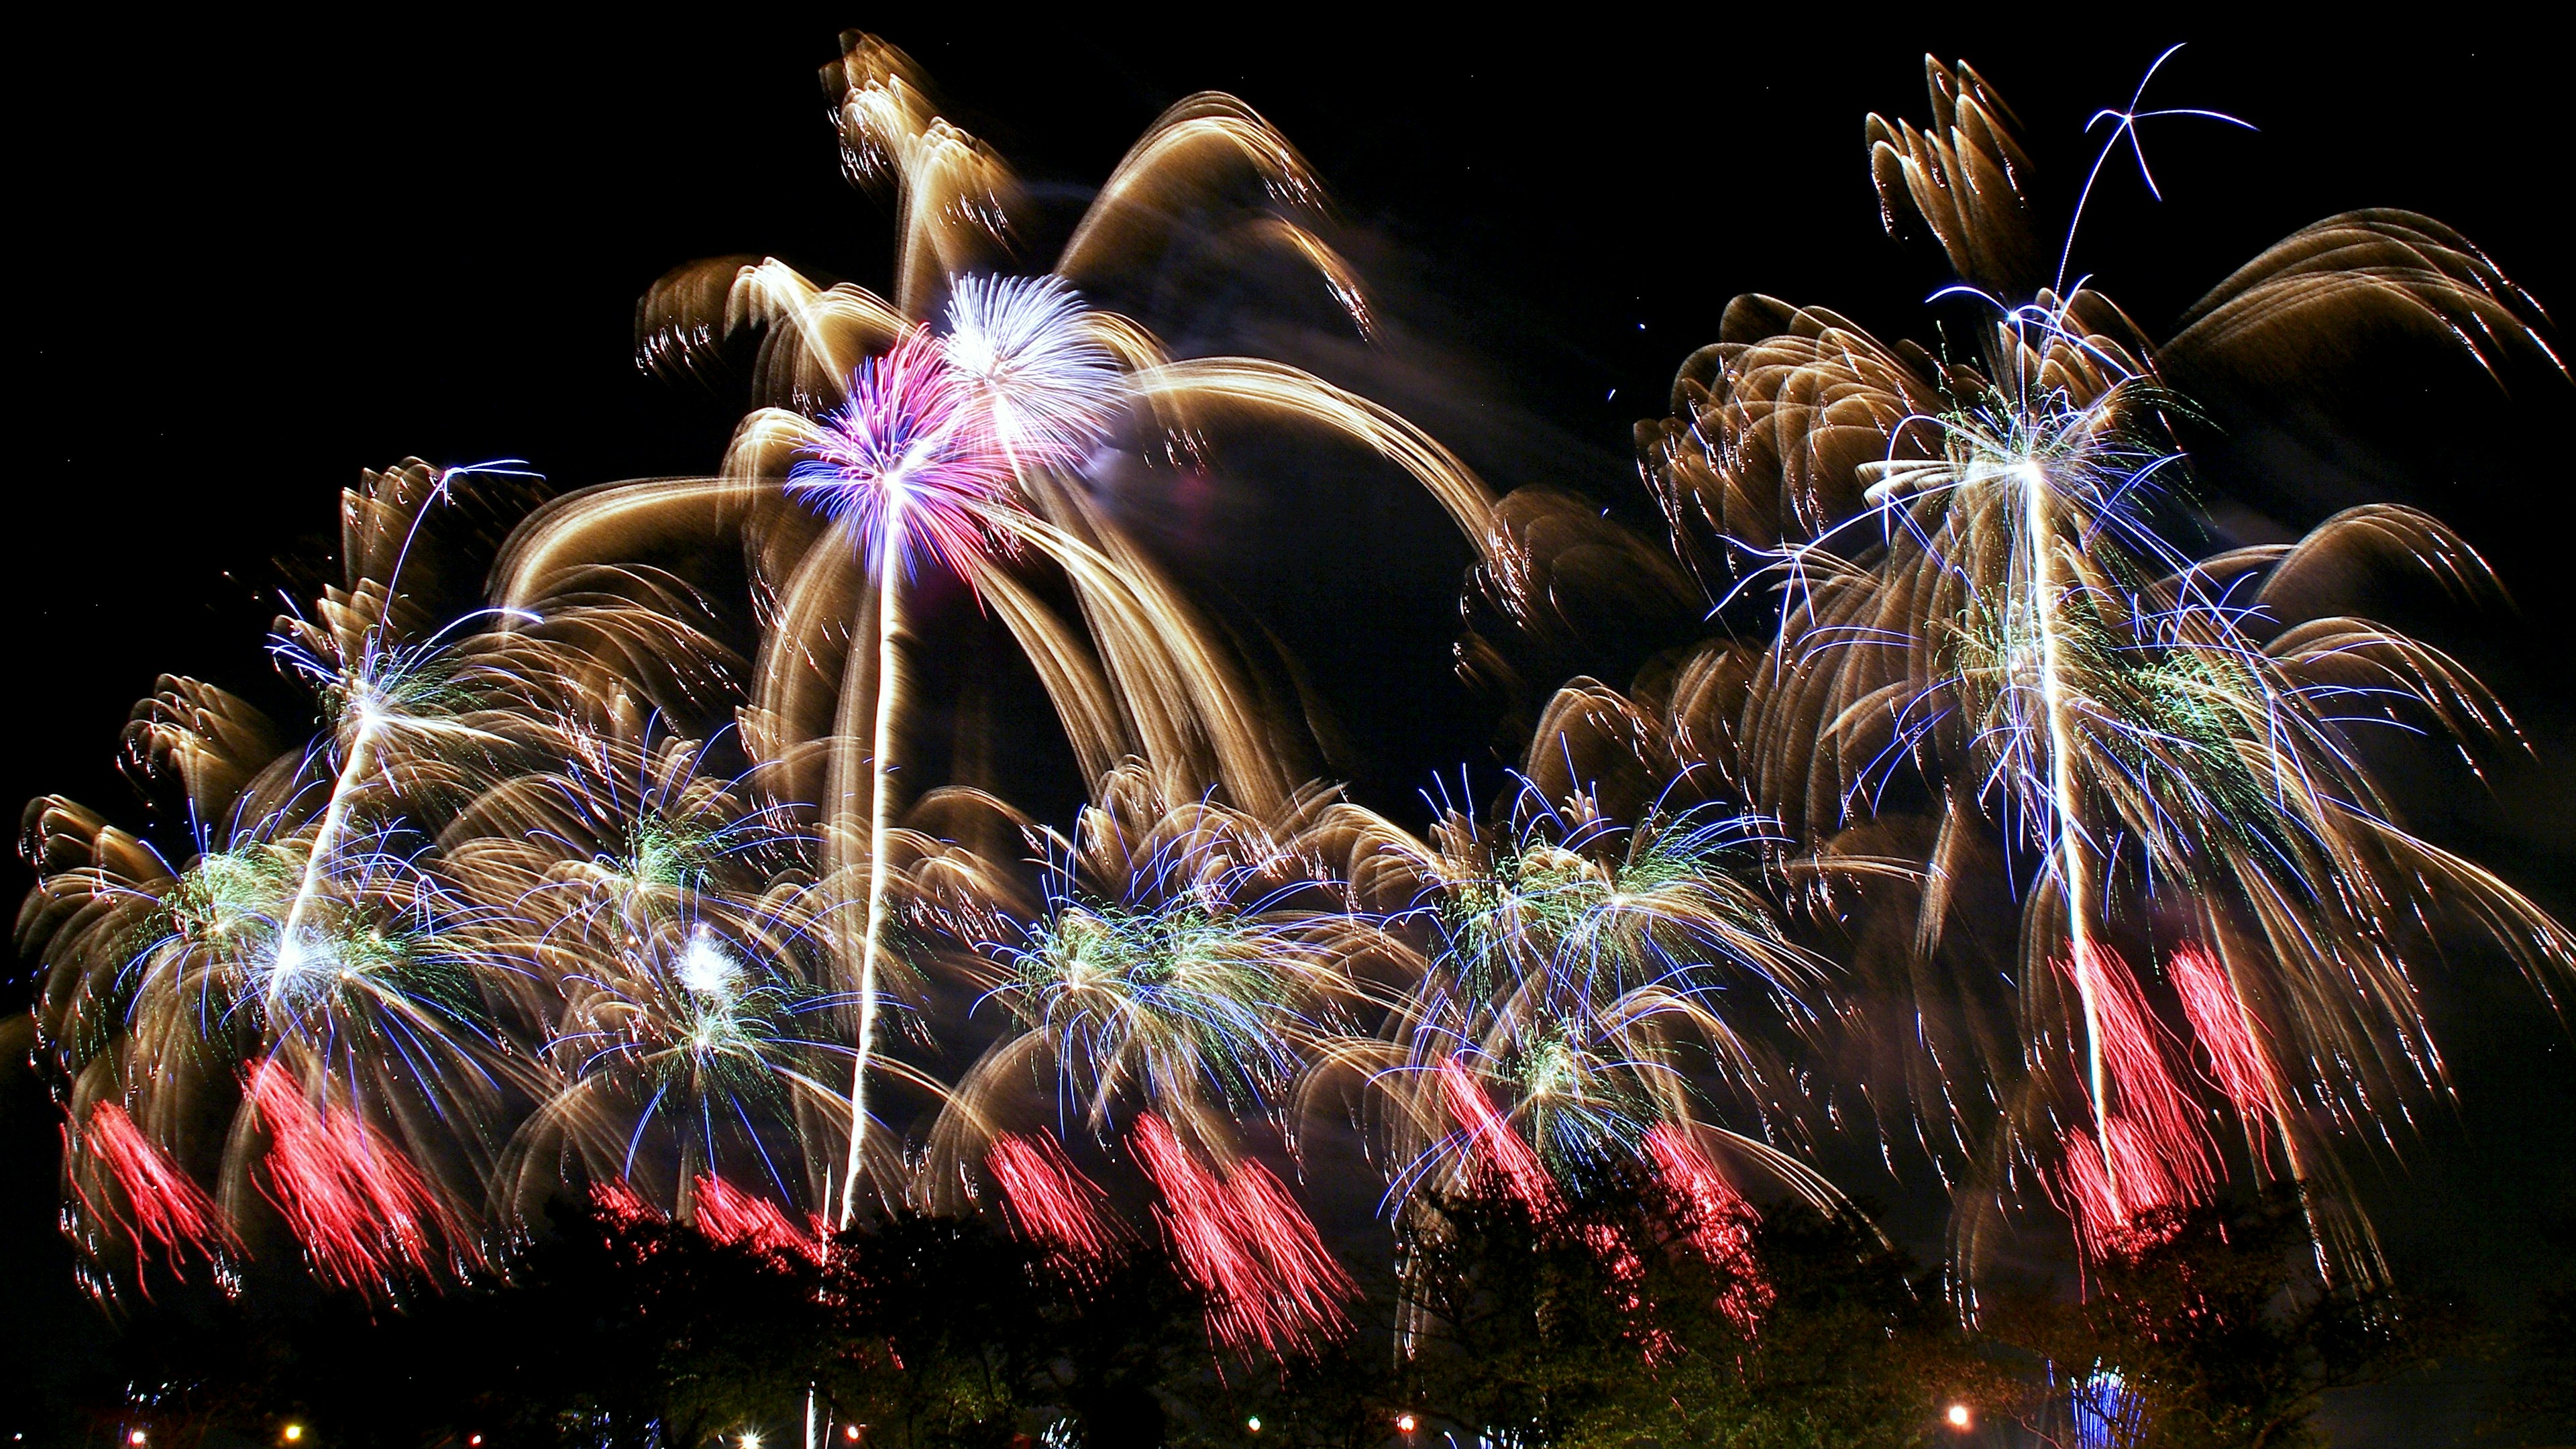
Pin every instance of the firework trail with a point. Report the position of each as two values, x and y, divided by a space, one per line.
1271 1283
361 1210
1721 1222
1051 1202
154 1199
727 1214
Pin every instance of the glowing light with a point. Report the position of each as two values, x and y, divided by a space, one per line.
1958 1416
1253 1423
1047 386
727 1214
1404 1423
1270 1282
1050 1201
705 969
295 1432
909 460
850 1432
362 1211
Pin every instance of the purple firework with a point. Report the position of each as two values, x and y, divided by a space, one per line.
913 450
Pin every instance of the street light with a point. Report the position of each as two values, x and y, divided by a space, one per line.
294 1433
1253 1423
1404 1423
1959 1417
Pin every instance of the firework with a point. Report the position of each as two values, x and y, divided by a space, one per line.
1271 1284
1051 1202
361 1210
1985 632
555 893
158 1201
1592 973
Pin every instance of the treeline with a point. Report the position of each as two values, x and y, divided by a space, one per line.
1491 1328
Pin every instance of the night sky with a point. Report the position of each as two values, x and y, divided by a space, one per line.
260 258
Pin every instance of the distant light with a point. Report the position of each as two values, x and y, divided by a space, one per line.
294 1432
850 1432
751 1439
473 1438
1253 1423
1403 1424
1958 1416
134 1438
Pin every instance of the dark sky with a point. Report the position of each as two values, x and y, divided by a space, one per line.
258 258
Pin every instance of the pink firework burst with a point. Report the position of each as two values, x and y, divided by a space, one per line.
1720 1221
161 1203
1269 1280
1049 1201
363 1213
2151 1149
727 1214
912 450
622 1206
1491 1140
2225 1031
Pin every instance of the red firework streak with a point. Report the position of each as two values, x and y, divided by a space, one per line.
1719 1219
361 1210
727 1214
622 1205
1049 1201
1492 1139
161 1202
2225 1031
2150 1149
1270 1281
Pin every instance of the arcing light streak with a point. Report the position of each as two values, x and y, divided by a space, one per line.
1720 1221
2224 1029
1491 1140
727 1214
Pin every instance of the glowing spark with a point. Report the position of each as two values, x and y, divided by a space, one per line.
1047 388
1270 1281
909 460
1050 1201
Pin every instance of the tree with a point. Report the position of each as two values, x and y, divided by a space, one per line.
2219 1333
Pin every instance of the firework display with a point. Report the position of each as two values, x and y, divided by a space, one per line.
600 872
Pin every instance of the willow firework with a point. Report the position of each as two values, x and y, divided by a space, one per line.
646 874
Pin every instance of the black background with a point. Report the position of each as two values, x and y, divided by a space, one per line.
257 257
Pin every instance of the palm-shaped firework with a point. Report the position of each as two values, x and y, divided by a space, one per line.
1984 619
956 445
